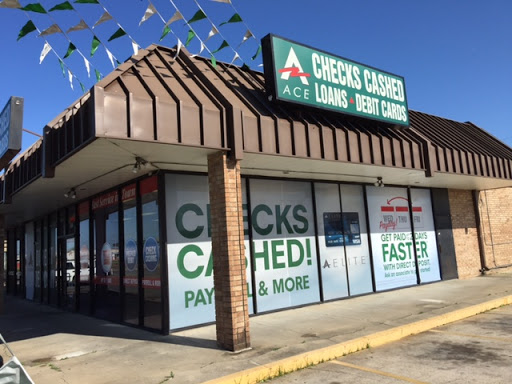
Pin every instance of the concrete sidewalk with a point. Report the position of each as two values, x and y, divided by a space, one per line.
62 347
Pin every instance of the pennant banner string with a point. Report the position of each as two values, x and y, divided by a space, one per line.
243 21
120 32
47 48
178 16
65 6
224 43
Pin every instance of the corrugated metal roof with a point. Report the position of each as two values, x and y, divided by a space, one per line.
158 97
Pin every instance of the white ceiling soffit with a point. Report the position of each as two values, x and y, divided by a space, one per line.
101 165
288 167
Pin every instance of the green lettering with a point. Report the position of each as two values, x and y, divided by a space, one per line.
385 251
209 267
261 255
209 292
191 248
290 244
401 249
424 249
200 299
306 281
276 254
409 244
392 253
256 211
278 286
305 225
189 234
189 296
282 219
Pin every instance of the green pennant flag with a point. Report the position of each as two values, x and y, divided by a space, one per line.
27 28
214 61
200 15
257 53
191 35
65 6
120 32
71 49
222 46
87 2
245 67
62 67
166 31
95 45
82 86
234 19
35 7
98 75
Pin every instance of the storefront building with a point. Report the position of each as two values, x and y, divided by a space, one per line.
175 194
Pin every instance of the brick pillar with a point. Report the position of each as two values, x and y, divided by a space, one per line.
229 273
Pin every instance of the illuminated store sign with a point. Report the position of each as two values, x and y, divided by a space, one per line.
299 74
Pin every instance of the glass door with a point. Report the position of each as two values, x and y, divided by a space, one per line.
66 272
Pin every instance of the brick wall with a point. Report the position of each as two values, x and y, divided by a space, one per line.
496 226
229 271
465 234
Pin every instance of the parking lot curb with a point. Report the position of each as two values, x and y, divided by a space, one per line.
303 360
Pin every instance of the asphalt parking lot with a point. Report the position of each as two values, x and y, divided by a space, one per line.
475 350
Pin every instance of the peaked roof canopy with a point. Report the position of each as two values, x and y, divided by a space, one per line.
186 107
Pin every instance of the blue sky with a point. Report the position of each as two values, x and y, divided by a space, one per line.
455 56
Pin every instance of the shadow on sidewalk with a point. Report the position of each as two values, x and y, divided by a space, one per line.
25 320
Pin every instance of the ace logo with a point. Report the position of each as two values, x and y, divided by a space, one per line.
293 68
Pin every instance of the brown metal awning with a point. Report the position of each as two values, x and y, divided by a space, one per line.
173 111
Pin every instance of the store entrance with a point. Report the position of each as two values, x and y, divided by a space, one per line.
66 279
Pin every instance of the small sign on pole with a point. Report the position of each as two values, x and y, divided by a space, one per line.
11 125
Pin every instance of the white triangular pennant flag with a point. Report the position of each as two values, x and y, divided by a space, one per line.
70 77
178 48
14 4
247 36
47 48
212 33
235 58
149 12
177 16
135 47
105 17
88 67
54 28
223 1
111 57
79 27
201 50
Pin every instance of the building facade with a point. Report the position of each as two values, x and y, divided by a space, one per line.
175 194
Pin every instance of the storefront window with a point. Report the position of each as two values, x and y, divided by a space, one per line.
392 242
29 261
46 269
151 254
53 260
107 271
37 259
330 241
84 257
284 251
18 268
131 265
425 236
